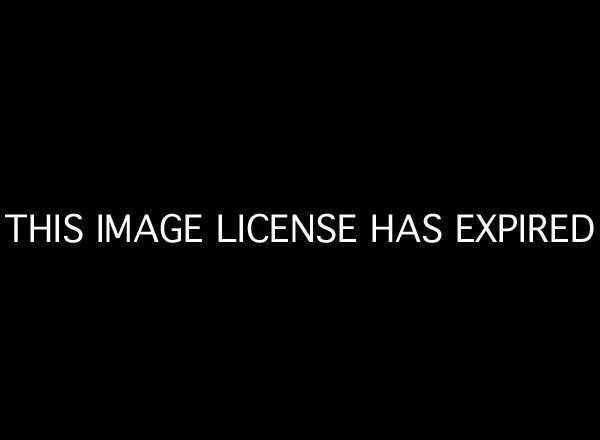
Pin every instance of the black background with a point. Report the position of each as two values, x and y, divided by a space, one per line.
386 112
